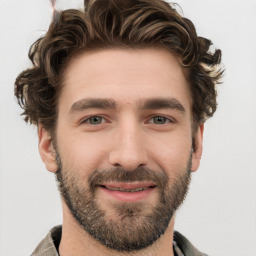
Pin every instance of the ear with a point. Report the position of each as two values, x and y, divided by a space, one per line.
197 148
46 149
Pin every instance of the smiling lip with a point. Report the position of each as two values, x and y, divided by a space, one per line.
128 192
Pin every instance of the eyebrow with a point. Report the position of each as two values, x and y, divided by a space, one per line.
93 103
163 103
155 103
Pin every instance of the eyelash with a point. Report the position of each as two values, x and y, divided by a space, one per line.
87 120
167 119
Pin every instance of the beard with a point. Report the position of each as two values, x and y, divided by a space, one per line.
128 226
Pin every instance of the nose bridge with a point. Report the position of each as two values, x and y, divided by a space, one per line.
128 149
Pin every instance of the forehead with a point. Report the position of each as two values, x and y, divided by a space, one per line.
126 75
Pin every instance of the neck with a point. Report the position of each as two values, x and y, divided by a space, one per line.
77 242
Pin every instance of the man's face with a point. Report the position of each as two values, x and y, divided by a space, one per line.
123 145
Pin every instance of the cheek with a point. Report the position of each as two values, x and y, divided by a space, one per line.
173 154
82 154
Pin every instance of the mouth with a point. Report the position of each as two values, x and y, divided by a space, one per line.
128 192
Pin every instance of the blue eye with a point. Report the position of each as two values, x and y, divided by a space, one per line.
94 120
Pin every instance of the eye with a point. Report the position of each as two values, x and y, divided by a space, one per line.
159 120
94 120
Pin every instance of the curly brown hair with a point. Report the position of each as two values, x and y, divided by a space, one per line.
118 24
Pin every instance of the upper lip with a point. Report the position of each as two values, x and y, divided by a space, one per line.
128 186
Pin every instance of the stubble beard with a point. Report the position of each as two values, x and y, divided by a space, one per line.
129 226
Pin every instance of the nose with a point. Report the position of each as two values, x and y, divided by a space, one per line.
129 150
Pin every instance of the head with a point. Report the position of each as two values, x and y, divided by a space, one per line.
120 92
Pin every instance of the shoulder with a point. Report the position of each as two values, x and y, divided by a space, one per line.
47 247
186 246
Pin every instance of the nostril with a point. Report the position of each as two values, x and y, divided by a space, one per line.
117 165
129 160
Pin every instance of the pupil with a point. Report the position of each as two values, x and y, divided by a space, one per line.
159 120
95 120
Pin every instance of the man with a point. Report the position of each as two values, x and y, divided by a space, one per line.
120 93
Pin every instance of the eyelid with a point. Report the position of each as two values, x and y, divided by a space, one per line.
86 119
168 118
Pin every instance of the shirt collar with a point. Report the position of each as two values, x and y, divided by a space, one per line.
47 247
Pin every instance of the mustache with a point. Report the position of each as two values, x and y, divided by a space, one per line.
118 174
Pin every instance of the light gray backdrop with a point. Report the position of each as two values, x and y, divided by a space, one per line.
219 215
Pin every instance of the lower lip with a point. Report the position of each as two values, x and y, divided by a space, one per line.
128 196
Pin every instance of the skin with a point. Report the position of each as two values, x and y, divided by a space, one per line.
128 136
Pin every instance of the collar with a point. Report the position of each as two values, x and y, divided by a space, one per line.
47 247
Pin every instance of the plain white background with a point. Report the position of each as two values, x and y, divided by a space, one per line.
219 215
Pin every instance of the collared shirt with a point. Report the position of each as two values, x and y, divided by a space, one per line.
176 249
47 247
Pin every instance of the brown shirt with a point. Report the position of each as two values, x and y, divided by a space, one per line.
47 247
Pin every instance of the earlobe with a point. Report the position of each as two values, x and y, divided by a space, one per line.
46 149
197 149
